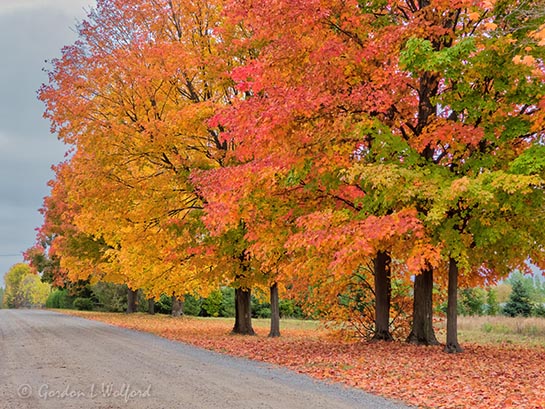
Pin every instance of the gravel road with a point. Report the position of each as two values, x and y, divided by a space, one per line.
49 360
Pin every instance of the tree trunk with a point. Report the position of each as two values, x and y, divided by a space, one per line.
243 312
452 345
422 328
151 306
177 307
275 312
382 297
132 298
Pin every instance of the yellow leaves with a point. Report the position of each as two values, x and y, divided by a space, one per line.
520 184
382 175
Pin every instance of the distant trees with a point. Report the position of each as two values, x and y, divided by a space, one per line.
519 295
24 288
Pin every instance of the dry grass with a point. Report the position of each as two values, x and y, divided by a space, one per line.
494 330
285 323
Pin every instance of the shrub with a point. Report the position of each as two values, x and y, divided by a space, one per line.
492 305
192 305
59 299
472 301
290 309
163 305
83 304
110 297
212 304
227 302
262 311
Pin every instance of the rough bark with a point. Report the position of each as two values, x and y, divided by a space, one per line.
151 306
422 332
243 312
452 345
177 307
382 297
132 298
275 312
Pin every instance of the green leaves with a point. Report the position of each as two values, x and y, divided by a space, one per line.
531 162
419 55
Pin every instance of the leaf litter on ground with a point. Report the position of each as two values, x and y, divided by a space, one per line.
483 376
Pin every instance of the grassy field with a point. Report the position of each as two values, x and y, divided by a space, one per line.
476 330
264 323
502 330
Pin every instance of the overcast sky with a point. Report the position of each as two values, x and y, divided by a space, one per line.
32 31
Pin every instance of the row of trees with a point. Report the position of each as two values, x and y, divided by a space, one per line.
114 298
356 153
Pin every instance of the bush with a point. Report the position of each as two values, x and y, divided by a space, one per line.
212 304
472 301
110 297
193 306
227 302
290 309
492 305
260 309
83 304
163 305
59 299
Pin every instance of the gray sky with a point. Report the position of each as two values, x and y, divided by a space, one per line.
32 31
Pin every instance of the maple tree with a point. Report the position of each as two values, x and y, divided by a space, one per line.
132 96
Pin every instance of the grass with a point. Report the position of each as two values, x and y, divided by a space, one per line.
285 323
502 330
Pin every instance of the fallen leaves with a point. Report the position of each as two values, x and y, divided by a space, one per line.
481 377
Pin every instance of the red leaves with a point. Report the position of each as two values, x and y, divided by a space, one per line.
443 134
483 377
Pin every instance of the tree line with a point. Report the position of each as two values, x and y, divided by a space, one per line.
358 156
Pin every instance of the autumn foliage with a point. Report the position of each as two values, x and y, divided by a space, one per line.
360 156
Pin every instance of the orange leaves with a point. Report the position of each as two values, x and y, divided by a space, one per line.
484 377
539 35
443 135
526 60
346 242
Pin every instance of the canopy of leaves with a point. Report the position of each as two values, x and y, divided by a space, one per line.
213 145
